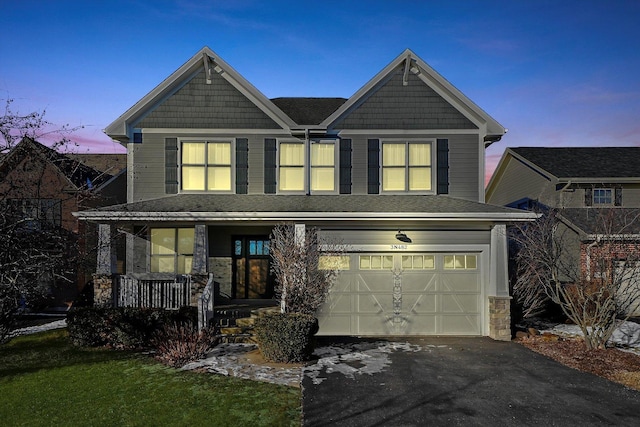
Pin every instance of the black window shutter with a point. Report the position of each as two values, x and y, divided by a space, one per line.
373 166
345 166
618 196
442 164
270 166
588 196
242 165
171 165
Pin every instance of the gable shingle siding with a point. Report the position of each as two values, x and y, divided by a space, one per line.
218 105
414 106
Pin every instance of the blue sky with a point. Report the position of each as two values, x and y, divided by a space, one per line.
555 73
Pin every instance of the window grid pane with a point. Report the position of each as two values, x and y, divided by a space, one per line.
206 166
291 154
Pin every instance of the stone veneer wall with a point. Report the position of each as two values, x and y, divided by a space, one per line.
500 318
222 272
102 290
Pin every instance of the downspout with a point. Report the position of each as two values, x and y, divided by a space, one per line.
307 147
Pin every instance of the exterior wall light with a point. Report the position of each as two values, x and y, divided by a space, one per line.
403 237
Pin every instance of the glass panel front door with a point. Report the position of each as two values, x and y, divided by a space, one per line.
251 277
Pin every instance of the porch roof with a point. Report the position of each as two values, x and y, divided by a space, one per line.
212 207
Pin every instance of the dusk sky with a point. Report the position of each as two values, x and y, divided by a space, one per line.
555 73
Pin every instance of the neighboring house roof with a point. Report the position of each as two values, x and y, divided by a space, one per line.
78 174
109 163
584 162
198 207
308 111
609 221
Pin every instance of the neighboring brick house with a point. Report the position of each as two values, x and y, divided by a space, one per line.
597 190
396 171
39 185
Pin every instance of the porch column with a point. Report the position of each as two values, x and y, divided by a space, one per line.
499 272
500 301
200 250
106 258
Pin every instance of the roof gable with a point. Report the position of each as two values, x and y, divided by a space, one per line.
584 162
431 101
197 80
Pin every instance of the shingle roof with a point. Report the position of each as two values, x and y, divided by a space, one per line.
308 111
303 203
109 163
77 172
585 162
604 221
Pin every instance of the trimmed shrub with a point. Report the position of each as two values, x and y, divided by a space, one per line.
121 328
180 343
286 337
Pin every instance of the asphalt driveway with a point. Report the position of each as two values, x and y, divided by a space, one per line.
454 381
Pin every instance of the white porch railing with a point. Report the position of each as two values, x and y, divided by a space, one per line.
169 294
205 304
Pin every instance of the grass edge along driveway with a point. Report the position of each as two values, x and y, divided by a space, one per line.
44 380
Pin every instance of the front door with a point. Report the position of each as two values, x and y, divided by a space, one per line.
251 276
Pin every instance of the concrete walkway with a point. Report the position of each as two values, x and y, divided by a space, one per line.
455 381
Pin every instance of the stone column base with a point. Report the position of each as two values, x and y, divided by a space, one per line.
500 318
102 290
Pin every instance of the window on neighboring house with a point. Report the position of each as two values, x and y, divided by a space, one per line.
323 170
602 196
206 166
291 166
406 166
172 250
35 212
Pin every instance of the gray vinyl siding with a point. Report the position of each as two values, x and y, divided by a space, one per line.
517 182
463 237
631 196
198 105
391 105
464 167
148 170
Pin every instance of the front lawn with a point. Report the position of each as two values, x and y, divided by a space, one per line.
46 381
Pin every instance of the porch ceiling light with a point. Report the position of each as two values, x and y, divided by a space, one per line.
403 237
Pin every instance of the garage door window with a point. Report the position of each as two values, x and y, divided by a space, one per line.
334 262
418 262
460 262
376 262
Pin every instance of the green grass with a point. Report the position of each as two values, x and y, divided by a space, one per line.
45 381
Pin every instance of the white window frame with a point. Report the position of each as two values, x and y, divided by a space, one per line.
336 168
612 196
407 168
174 255
206 141
304 167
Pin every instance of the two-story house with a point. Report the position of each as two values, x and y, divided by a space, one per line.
395 173
595 189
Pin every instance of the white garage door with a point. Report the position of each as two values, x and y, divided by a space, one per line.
405 294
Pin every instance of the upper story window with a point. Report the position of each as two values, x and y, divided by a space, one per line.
323 166
291 162
602 196
206 166
34 213
172 250
299 168
406 166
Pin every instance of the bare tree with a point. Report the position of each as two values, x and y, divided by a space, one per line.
34 250
594 279
304 267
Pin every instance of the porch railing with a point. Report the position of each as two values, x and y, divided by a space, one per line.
205 304
153 293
